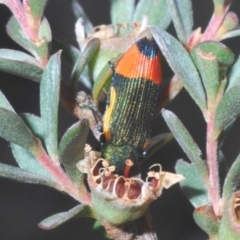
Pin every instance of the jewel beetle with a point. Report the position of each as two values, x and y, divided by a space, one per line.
132 104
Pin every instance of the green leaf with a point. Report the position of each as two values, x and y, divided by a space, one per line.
220 6
102 81
37 7
70 56
60 218
122 11
232 180
45 31
79 13
234 75
208 68
4 103
27 161
181 63
20 64
157 12
34 123
49 100
42 49
221 2
230 22
17 174
231 34
224 55
83 60
185 141
15 32
13 129
207 220
182 16
71 149
23 157
193 185
228 108
109 51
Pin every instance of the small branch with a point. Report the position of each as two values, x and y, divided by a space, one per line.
144 226
213 26
33 22
60 176
116 232
18 11
212 162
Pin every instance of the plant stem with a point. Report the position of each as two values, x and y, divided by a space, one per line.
61 177
213 26
212 162
19 13
143 227
116 232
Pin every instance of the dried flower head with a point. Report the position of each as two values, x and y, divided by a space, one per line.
120 199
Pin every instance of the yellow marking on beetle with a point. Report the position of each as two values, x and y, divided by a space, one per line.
108 114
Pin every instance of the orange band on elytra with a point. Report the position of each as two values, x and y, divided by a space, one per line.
135 64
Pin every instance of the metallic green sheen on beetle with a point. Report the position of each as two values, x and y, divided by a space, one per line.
132 104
